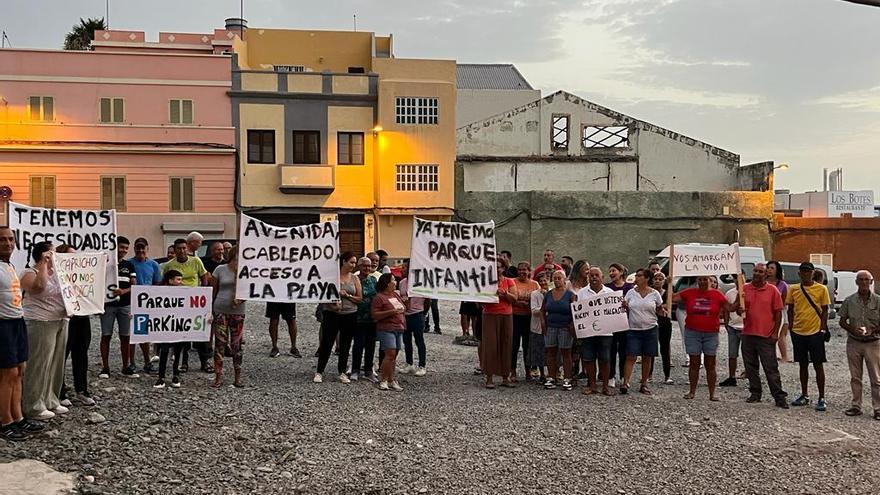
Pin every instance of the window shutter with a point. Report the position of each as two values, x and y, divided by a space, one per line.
48 108
175 194
188 194
187 109
119 199
105 109
174 111
118 114
34 105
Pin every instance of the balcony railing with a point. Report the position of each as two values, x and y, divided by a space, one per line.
307 178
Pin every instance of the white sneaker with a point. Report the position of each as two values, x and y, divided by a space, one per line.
85 400
104 375
66 403
406 369
669 381
383 385
355 377
612 383
46 415
373 378
396 386
344 378
420 371
154 359
61 410
318 378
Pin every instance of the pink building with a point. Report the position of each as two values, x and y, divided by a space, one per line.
144 128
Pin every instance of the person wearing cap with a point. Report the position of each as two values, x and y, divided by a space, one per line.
148 273
860 317
808 313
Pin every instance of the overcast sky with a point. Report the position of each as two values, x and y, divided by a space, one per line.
794 81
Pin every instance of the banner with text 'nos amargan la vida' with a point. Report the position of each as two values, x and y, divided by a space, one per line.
166 314
453 261
85 230
288 264
702 261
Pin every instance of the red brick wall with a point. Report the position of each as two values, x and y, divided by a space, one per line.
853 241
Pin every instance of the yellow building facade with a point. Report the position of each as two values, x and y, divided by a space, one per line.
330 125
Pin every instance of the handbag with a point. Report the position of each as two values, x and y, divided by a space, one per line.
826 334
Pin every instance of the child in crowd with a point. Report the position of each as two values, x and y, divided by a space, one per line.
175 279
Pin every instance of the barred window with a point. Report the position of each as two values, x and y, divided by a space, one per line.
416 110
560 132
417 177
615 136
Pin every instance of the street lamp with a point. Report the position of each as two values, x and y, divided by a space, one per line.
781 166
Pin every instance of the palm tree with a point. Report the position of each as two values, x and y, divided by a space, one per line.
81 35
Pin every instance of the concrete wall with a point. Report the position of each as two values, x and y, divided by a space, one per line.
623 226
852 241
472 105
662 160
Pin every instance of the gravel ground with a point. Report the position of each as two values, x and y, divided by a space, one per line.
447 434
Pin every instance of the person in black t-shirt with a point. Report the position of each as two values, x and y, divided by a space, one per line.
215 256
117 309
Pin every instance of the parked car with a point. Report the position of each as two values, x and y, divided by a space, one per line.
845 283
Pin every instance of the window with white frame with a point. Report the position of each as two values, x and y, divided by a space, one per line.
417 177
612 136
41 108
113 193
416 110
112 111
181 194
180 111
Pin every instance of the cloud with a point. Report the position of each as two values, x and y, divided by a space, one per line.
867 100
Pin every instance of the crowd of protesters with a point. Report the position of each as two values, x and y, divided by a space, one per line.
376 309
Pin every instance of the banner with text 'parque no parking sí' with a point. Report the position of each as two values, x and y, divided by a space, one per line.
288 264
163 314
453 261
85 230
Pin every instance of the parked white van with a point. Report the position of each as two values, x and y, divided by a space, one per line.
845 282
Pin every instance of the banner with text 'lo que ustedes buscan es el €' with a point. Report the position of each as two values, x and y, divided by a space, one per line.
288 264
85 230
453 261
600 314
163 314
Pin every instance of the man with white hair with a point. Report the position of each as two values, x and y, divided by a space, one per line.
194 242
860 317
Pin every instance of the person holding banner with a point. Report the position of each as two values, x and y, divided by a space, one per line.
558 330
522 317
148 272
13 346
388 311
617 274
172 278
46 319
364 346
116 311
79 338
597 348
228 325
703 306
643 305
497 342
193 274
340 319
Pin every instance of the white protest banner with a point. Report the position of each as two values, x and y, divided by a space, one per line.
288 264
85 230
602 314
453 261
162 313
81 276
697 261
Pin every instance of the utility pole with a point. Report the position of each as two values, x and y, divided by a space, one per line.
107 13
355 17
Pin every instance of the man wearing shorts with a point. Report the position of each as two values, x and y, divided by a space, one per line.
13 346
277 311
116 311
597 348
808 313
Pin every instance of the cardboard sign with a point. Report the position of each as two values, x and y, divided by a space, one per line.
170 314
81 276
288 264
86 230
453 261
696 261
602 314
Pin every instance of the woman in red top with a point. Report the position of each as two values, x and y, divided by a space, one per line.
703 305
387 310
496 345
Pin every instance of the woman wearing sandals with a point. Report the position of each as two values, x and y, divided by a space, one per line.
388 311
496 346
228 325
643 304
703 305
558 330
